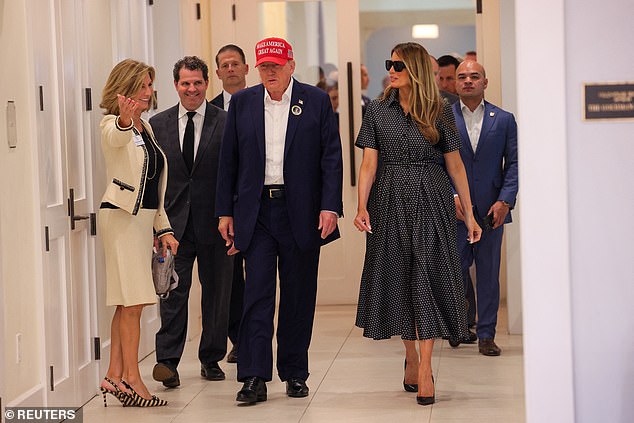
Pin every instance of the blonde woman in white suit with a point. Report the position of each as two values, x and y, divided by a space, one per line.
131 216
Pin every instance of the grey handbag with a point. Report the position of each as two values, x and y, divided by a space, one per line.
163 273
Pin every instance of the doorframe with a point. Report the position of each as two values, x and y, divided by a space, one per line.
2 300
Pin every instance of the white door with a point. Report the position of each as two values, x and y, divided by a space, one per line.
323 34
63 127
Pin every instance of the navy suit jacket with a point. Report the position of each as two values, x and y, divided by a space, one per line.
313 169
492 168
191 194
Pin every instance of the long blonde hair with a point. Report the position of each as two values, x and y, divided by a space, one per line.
425 102
126 78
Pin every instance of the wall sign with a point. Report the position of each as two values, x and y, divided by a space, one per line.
609 101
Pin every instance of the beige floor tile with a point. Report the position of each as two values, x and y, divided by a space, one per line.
353 379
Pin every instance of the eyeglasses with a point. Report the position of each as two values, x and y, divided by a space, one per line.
397 64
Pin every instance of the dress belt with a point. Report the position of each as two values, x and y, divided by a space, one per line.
274 191
423 163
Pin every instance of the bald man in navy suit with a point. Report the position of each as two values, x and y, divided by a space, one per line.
278 199
489 154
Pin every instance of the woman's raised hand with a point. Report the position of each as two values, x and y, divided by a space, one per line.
127 110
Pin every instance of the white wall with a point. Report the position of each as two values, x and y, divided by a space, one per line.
601 199
576 224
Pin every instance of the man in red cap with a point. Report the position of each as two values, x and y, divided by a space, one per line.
278 198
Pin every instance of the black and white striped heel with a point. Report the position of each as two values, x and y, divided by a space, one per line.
115 392
135 400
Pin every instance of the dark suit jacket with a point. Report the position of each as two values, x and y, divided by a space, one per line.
313 170
219 101
492 168
193 193
451 98
365 100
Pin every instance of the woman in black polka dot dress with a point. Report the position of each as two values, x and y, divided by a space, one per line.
412 284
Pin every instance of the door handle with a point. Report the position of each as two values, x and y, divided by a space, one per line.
71 210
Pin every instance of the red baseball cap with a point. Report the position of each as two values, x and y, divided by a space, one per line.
275 50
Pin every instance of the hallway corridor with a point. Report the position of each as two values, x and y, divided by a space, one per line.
353 379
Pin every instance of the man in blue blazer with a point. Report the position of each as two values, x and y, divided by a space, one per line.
489 153
278 198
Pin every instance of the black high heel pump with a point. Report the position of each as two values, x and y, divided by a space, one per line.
409 387
427 400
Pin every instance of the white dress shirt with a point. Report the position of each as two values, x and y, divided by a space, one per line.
275 123
473 122
226 99
198 119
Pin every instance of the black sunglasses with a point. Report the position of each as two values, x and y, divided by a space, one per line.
397 64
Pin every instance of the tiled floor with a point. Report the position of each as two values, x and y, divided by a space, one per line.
353 379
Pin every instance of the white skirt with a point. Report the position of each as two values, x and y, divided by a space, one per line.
127 242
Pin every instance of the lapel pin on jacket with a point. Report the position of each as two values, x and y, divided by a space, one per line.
296 110
300 101
491 114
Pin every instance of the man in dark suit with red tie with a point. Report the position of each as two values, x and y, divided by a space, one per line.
190 133
279 196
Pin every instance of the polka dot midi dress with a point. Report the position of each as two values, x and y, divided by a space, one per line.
411 284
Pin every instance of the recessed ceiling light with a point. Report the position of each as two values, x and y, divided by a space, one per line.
425 31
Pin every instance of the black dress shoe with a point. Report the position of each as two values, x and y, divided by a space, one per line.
409 387
232 357
212 371
167 374
486 346
296 388
253 390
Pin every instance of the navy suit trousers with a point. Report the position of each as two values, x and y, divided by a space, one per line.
237 296
273 245
486 254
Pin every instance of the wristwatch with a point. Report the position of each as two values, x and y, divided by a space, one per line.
507 204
